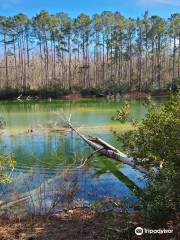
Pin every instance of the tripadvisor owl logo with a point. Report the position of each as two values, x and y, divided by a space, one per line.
139 231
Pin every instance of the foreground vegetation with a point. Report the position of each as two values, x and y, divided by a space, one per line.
155 145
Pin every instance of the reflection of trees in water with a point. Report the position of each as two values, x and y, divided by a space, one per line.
69 186
48 151
42 156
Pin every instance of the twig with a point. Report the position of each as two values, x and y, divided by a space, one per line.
90 157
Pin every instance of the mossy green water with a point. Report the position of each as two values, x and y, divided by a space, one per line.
44 153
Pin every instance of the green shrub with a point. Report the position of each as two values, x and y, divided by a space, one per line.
54 91
6 162
174 86
123 113
159 197
114 88
155 144
88 92
9 93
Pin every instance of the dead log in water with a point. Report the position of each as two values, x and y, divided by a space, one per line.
107 150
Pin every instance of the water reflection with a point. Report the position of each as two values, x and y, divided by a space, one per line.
43 155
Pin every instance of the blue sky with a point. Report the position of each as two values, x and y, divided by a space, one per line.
132 8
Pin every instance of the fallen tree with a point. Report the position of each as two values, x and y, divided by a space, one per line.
107 150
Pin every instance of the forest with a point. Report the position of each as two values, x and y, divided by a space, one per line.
102 51
89 124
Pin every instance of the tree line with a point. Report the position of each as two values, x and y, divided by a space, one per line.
99 51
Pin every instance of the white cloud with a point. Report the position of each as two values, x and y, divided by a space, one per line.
164 2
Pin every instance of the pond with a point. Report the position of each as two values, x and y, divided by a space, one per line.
42 155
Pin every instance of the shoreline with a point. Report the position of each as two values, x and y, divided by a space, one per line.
79 95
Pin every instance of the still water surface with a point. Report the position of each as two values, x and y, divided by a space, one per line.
43 154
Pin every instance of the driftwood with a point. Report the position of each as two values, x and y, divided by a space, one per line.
108 150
